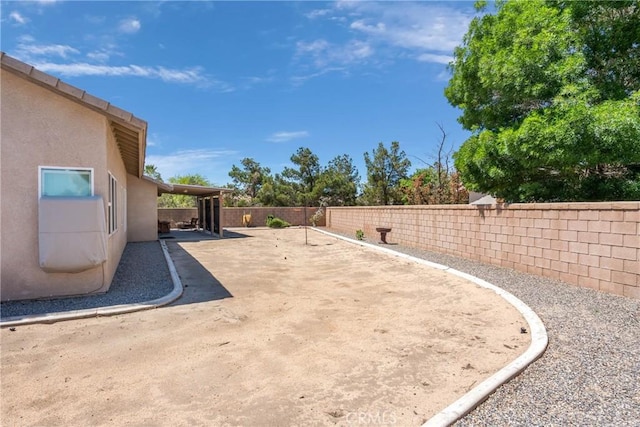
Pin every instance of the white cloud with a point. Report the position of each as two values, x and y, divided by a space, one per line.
301 79
285 136
443 76
423 26
318 13
251 81
381 31
25 38
431 57
98 56
360 24
18 18
129 26
312 47
201 161
193 76
326 54
40 57
154 140
105 52
30 50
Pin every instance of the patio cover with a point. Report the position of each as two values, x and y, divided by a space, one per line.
185 189
201 192
195 190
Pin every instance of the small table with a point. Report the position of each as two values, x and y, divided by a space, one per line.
383 234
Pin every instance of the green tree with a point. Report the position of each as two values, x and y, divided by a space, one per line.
151 171
179 200
550 92
338 184
250 178
433 186
610 31
277 191
304 177
385 169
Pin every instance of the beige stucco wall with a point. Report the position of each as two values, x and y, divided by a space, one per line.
142 213
118 239
40 128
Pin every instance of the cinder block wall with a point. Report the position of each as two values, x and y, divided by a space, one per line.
232 217
294 216
175 215
594 245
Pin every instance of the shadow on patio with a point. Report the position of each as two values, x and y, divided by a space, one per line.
197 235
199 284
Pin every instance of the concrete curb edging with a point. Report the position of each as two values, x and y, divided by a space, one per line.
106 311
481 392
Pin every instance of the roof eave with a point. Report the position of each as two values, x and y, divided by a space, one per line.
111 112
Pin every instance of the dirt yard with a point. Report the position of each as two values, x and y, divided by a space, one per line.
320 334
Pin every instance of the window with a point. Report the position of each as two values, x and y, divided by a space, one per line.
124 209
113 204
74 182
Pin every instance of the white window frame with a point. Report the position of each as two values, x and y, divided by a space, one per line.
112 205
70 168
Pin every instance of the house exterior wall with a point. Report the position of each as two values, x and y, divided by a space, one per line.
40 128
117 241
594 245
142 215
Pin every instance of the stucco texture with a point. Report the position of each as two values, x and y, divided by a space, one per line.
142 212
40 128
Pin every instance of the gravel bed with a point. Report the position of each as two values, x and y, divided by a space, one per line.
142 275
590 373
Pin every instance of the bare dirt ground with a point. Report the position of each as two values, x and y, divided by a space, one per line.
320 334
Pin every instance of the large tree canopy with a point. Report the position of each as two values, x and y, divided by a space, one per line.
551 93
181 200
385 169
303 179
250 178
339 182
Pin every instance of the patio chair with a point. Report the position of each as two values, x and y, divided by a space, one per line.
192 224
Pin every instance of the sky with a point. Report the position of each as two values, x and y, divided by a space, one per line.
221 81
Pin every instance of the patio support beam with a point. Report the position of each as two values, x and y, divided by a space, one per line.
220 220
213 211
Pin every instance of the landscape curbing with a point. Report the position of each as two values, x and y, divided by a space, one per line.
106 311
446 417
478 394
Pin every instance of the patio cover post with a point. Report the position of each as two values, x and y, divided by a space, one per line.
213 212
200 203
221 216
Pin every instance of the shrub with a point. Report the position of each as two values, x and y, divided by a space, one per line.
359 234
275 222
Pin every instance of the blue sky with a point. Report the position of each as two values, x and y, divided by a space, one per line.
220 81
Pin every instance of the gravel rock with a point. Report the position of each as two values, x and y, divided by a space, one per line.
142 275
590 373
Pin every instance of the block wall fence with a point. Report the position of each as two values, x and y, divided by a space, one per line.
232 217
594 245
